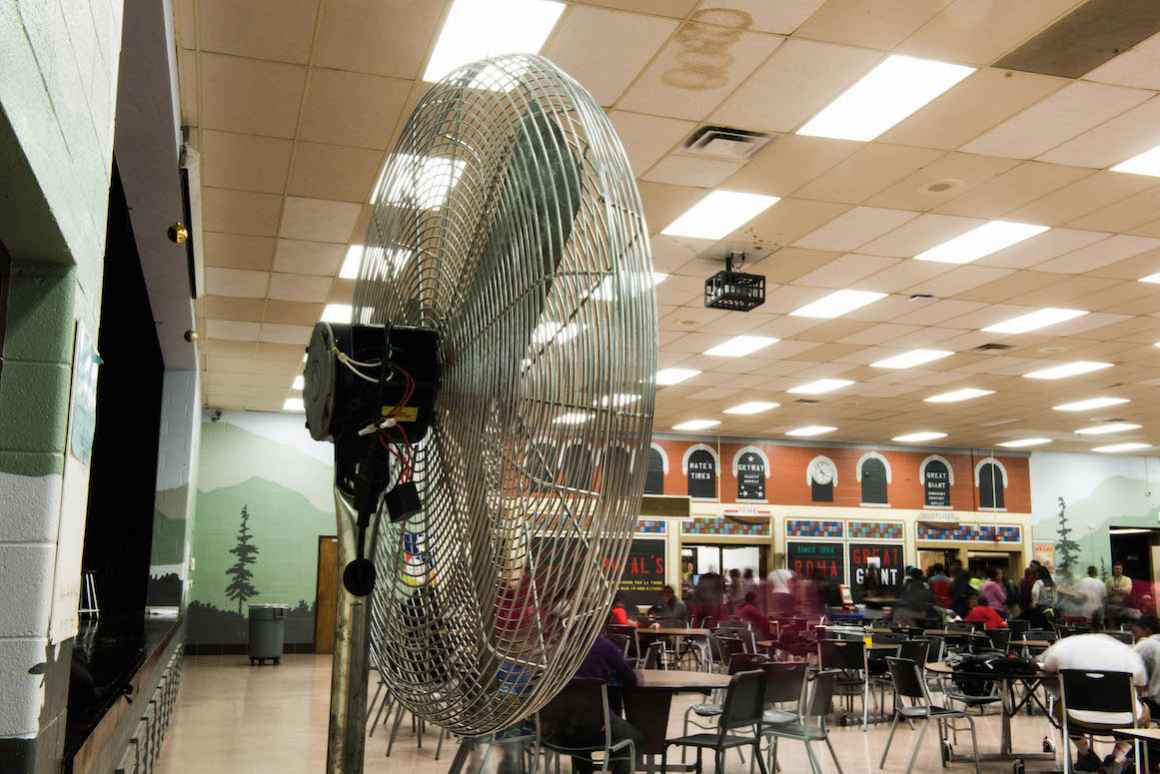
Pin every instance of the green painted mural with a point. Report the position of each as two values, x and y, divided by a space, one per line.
264 498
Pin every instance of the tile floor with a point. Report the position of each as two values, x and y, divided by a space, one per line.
235 719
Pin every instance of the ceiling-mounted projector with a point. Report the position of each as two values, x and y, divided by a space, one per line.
734 290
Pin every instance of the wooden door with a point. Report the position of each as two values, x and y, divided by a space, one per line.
326 594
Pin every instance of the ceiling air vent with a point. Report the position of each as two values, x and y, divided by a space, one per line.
725 142
807 401
993 347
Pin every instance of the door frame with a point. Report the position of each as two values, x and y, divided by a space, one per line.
317 586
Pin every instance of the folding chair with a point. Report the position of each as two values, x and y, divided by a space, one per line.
908 684
743 708
809 724
1093 690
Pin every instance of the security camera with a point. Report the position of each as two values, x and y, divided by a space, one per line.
215 415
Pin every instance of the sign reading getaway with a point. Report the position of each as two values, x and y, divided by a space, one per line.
700 466
750 468
936 483
822 561
875 568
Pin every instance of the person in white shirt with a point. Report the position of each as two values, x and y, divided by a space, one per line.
1147 631
1094 592
1106 654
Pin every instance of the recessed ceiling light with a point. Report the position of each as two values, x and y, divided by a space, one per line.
919 437
1116 448
954 396
670 376
1153 279
752 407
1108 428
914 357
884 96
980 241
573 418
336 313
719 214
555 332
1033 321
820 386
294 404
740 346
810 430
1023 443
1091 404
426 183
1068 369
697 424
838 303
479 29
299 383
350 264
1146 163
619 400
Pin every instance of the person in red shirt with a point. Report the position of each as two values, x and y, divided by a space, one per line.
619 614
751 614
978 611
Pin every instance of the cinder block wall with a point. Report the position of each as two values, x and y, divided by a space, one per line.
59 65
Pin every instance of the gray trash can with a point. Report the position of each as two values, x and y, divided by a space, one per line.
267 633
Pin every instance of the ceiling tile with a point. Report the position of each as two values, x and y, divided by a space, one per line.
250 96
1133 268
1139 67
1081 197
244 161
1098 254
185 23
936 312
274 333
344 108
922 233
800 79
975 104
238 283
318 220
960 280
678 84
351 35
854 228
318 258
333 172
237 309
1068 112
292 312
782 17
677 9
300 287
881 24
957 172
849 268
979 31
1121 138
1127 214
240 212
902 275
342 291
262 29
234 251
187 87
231 330
679 169
1018 186
790 263
663 203
874 167
1042 247
223 347
789 220
647 139
789 162
605 49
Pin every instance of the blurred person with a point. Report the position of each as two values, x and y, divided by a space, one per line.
709 595
960 587
620 614
976 579
669 611
780 596
940 586
914 600
1119 585
994 592
980 611
734 591
1042 598
751 614
1146 630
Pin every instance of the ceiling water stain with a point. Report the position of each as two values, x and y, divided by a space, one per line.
704 42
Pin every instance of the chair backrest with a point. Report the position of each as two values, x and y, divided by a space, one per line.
723 649
742 633
1093 690
937 648
746 662
652 657
1000 639
847 655
784 681
821 693
888 638
1018 627
744 702
582 706
908 682
915 650
1046 635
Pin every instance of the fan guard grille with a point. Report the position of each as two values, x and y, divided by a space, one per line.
508 221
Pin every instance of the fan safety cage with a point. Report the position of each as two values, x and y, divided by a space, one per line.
507 220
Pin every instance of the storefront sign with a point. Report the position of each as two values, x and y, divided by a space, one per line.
750 476
816 560
701 470
936 484
875 567
644 572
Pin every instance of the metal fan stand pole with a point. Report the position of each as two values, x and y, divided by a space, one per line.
346 738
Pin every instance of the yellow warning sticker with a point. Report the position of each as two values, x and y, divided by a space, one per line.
405 414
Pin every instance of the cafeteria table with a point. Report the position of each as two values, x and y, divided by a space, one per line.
647 705
678 633
1140 737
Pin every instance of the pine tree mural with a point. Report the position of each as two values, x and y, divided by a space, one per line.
1066 549
241 587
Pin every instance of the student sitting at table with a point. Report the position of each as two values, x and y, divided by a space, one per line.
619 614
979 611
1147 631
669 611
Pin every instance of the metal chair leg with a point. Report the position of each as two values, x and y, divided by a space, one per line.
439 742
833 754
395 728
974 742
917 745
889 741
379 712
815 767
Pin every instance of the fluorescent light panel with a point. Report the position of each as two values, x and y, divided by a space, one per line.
884 96
980 241
350 264
1146 163
752 407
914 357
919 437
697 424
1152 279
619 400
479 29
820 386
299 383
1108 428
810 431
740 346
1023 443
336 313
719 214
605 291
955 396
294 404
670 376
573 418
1091 404
1117 448
557 333
1077 368
838 303
1033 321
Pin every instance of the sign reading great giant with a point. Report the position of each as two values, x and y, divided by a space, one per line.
875 568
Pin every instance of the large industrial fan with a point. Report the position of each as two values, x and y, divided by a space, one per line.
492 399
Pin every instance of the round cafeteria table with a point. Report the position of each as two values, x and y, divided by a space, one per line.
647 705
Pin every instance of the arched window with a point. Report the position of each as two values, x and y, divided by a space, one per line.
700 468
750 468
615 465
874 475
991 481
576 462
658 465
937 478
